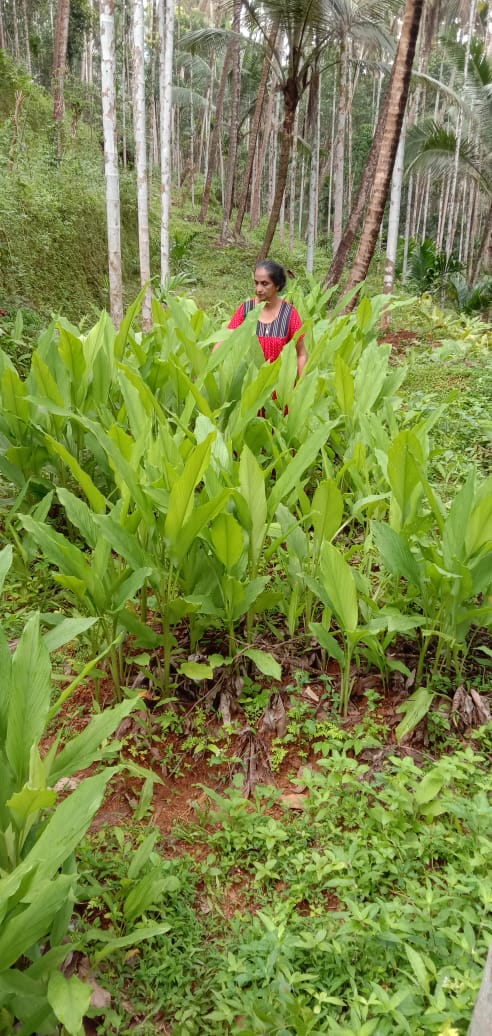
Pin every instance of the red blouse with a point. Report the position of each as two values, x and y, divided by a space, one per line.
272 337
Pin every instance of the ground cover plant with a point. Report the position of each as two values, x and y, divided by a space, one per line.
267 588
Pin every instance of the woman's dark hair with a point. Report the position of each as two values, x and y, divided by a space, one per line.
275 271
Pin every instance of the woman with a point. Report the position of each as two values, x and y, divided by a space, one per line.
279 320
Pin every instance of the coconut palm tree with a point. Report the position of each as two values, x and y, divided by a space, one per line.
464 140
395 111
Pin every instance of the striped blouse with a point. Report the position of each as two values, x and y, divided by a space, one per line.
273 336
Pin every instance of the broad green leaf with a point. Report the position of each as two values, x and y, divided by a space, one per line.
414 709
339 584
405 459
20 932
252 487
344 386
182 492
94 496
327 510
127 590
396 553
150 931
121 539
364 313
418 967
291 478
265 662
85 748
70 999
30 800
65 631
29 699
227 539
15 406
327 641
69 559
124 328
201 516
142 855
68 824
478 531
5 563
457 522
370 375
71 350
47 387
429 787
196 671
79 514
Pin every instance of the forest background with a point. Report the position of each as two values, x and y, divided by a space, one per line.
201 605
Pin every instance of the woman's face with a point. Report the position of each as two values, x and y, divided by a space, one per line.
265 289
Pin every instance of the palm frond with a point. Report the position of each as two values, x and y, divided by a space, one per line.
183 97
210 40
431 147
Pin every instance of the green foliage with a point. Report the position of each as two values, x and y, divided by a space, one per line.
40 828
429 269
368 911
181 513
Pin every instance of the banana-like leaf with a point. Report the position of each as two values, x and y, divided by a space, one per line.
405 461
29 699
344 386
339 584
396 553
290 479
327 510
370 375
183 491
265 662
201 516
85 748
94 496
252 486
15 406
70 999
5 563
27 926
227 540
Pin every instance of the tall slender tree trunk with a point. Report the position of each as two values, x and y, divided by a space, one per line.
108 78
293 183
234 127
452 215
315 119
139 127
394 216
484 247
253 137
214 143
398 93
59 62
406 245
357 210
26 37
338 165
166 34
16 31
256 192
291 97
3 39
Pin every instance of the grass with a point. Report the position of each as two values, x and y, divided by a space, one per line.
366 912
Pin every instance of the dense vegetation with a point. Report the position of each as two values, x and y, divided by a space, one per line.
245 647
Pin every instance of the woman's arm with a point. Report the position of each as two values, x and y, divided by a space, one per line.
302 356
